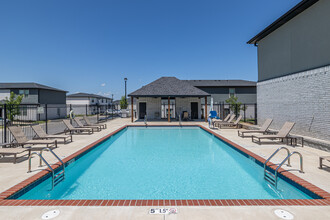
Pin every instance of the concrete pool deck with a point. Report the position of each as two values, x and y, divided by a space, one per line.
12 174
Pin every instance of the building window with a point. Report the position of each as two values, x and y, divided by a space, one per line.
92 100
231 92
58 111
24 111
24 92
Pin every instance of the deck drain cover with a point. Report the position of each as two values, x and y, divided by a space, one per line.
283 214
51 214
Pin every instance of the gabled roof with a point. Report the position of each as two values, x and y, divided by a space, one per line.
27 85
300 7
221 83
87 95
169 87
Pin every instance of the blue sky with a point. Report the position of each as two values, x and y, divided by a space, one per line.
91 45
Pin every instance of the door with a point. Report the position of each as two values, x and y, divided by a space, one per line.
194 110
142 110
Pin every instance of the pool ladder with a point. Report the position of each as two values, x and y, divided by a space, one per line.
55 178
146 120
180 123
272 178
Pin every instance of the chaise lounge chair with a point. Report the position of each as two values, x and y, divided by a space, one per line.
217 122
41 134
104 126
185 116
13 151
80 125
22 140
71 129
263 129
234 124
282 134
327 158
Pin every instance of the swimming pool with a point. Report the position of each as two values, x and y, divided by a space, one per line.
163 163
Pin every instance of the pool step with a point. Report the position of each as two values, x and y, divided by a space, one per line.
270 177
59 177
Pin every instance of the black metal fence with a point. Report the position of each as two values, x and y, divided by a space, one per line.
49 116
248 111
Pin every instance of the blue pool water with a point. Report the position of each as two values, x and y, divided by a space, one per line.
164 163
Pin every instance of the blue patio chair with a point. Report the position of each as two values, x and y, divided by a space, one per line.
213 114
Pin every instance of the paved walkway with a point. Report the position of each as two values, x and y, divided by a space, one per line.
12 174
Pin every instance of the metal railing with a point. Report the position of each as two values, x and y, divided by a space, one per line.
49 116
272 178
146 120
55 179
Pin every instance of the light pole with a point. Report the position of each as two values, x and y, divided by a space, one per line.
125 89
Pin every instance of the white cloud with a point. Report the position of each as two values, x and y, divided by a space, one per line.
103 84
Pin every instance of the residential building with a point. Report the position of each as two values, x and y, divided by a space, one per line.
35 98
221 90
294 69
86 103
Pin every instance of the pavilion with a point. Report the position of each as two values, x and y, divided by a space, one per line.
167 98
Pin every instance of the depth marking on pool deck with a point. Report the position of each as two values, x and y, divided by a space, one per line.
325 201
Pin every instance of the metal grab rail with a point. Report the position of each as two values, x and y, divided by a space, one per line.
287 158
145 120
180 121
51 169
41 158
55 155
271 156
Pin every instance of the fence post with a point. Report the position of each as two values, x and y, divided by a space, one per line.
98 114
236 110
106 112
5 124
255 114
244 113
86 110
46 114
70 111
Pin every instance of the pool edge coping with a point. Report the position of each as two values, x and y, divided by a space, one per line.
325 201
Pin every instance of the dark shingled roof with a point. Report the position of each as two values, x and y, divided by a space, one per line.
296 10
169 87
221 83
82 94
27 85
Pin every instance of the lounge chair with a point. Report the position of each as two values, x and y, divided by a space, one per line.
327 158
185 116
41 134
214 114
22 140
104 126
217 122
282 134
263 129
13 151
80 125
71 129
234 124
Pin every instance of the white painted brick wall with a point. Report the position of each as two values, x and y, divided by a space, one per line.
154 105
184 104
303 98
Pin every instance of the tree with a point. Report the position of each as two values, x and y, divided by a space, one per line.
13 105
235 106
123 103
